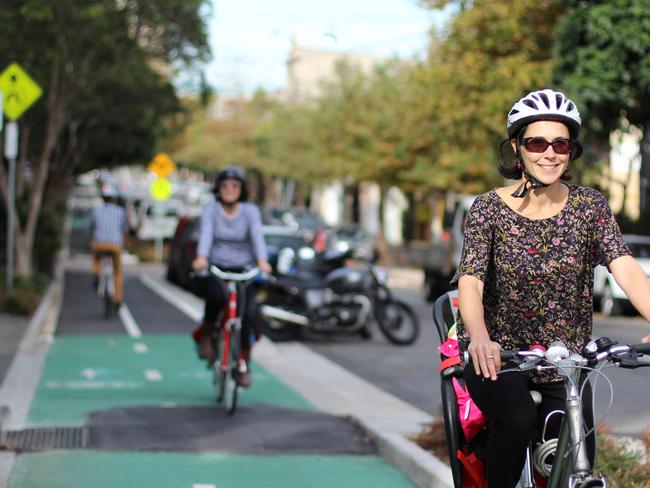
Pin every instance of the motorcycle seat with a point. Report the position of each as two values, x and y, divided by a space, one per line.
301 280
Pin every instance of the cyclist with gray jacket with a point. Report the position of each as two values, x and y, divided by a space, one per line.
231 238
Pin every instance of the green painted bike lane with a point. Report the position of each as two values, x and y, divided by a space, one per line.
87 374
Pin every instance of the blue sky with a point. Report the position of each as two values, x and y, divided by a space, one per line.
250 39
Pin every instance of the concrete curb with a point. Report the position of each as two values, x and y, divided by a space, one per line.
19 386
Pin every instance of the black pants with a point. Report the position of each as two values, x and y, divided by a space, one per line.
215 293
515 420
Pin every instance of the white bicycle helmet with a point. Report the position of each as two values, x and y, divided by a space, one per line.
110 192
543 105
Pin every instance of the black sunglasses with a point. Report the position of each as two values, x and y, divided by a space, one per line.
540 145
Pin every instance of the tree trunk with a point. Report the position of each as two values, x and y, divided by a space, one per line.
25 233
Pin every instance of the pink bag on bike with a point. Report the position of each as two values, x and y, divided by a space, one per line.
472 420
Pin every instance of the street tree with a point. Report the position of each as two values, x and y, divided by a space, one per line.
105 69
603 57
494 52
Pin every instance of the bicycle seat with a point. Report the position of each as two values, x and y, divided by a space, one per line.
444 310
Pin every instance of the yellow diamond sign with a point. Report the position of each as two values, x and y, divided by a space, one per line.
162 165
161 189
19 90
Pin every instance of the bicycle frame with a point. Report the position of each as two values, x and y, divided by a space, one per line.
230 362
230 324
571 467
571 463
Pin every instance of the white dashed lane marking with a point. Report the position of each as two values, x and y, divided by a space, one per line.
152 375
129 322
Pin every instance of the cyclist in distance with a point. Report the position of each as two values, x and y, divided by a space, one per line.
526 277
231 238
108 230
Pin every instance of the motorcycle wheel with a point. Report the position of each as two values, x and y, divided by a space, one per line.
277 330
398 322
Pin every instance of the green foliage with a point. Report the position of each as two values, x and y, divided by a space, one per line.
602 58
49 242
105 69
26 296
495 52
622 467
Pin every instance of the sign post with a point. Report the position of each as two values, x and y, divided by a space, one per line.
161 189
11 152
19 92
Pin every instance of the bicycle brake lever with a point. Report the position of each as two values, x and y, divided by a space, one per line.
630 360
528 364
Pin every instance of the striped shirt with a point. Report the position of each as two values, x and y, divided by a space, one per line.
108 224
231 241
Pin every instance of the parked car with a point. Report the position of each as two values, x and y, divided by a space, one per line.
355 238
609 298
299 218
182 247
159 219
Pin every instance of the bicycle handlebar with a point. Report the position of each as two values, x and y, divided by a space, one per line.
228 275
627 356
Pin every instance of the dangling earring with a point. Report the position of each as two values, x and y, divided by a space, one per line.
519 161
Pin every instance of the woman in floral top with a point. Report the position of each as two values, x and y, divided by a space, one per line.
526 276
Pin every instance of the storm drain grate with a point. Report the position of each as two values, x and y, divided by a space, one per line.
44 439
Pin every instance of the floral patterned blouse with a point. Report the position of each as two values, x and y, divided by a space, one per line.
538 274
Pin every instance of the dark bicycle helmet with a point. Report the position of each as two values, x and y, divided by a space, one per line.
232 173
543 105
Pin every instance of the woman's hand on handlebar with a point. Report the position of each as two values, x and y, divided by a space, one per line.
264 266
646 339
486 357
200 263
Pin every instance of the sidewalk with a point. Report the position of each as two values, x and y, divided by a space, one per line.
335 392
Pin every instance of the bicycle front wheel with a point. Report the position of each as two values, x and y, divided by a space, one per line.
108 299
219 375
231 385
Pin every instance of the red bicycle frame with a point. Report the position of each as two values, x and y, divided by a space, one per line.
228 321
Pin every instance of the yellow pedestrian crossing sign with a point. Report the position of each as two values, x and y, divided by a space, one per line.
19 90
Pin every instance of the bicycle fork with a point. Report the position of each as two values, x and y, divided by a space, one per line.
571 464
231 326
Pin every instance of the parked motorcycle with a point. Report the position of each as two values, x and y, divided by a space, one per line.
317 291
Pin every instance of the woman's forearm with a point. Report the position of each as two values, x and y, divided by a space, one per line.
470 300
630 276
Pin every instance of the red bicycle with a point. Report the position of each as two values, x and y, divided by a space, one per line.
229 363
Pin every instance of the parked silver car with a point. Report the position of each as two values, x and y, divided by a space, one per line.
609 298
